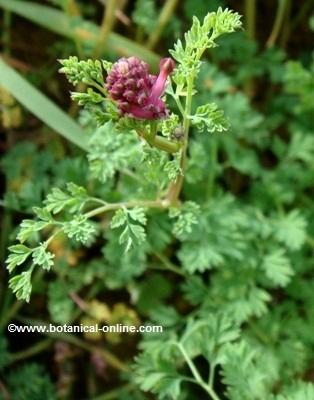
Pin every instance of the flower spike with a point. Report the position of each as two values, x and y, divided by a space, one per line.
136 91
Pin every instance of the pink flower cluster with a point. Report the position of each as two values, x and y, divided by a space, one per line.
137 92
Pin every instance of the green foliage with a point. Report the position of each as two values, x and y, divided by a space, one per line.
42 257
290 230
132 223
200 37
89 72
186 216
157 369
111 151
21 285
73 199
158 169
225 219
19 254
60 306
86 98
209 118
247 373
80 229
152 292
277 268
299 391
300 82
216 237
31 381
145 14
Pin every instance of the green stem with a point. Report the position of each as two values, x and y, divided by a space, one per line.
175 188
163 19
178 103
72 9
196 374
110 358
97 200
99 87
280 14
190 363
127 204
286 29
55 233
162 204
176 98
106 27
153 131
131 174
165 145
6 34
8 315
31 351
160 142
168 265
250 16
211 374
113 394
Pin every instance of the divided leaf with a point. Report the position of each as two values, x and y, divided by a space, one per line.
277 268
290 230
43 257
132 221
19 254
73 200
21 285
209 118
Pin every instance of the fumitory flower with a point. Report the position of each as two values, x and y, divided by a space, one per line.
138 93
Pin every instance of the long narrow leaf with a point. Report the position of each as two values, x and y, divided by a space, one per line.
62 24
41 106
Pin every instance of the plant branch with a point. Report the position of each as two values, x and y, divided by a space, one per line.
196 374
211 374
127 204
110 358
163 19
168 264
250 16
6 34
106 27
31 351
160 142
280 14
112 394
175 188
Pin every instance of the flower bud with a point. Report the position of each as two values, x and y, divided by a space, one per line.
136 91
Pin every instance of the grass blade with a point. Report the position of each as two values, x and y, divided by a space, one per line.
41 106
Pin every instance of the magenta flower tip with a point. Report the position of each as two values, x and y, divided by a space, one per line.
167 65
137 92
